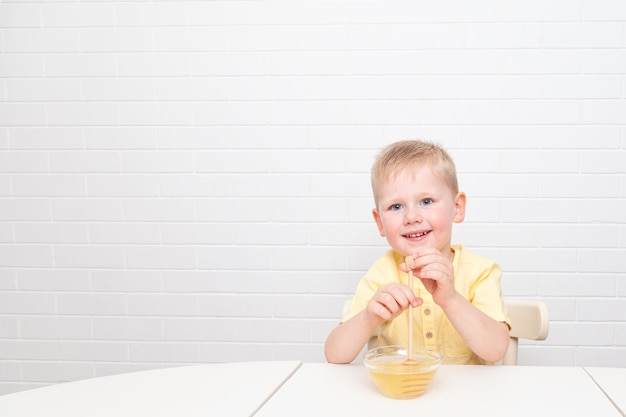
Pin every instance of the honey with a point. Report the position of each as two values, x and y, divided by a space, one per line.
397 379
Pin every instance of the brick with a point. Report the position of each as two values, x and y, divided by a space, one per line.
186 182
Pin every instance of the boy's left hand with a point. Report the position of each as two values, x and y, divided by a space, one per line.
436 273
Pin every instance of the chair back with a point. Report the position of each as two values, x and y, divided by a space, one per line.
529 320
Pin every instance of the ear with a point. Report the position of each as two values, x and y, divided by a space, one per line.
378 221
459 207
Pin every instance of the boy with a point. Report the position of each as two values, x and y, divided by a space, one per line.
461 311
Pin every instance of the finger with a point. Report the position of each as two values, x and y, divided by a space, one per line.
428 258
437 271
404 295
418 301
401 297
384 299
409 263
429 284
379 310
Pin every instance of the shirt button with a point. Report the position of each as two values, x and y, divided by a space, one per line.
429 335
427 311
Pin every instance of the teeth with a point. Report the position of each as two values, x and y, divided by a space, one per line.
416 235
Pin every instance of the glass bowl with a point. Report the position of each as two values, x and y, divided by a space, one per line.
397 379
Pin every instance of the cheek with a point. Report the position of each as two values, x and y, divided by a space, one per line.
389 222
443 220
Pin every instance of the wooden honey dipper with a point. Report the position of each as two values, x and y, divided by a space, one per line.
409 354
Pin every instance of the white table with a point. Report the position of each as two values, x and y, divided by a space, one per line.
229 389
276 389
318 389
613 382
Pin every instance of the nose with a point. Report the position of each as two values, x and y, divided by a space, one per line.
412 215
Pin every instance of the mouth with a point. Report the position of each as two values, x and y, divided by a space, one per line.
417 235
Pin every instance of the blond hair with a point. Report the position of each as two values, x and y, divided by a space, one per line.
413 154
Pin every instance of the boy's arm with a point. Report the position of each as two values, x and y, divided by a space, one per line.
346 340
485 336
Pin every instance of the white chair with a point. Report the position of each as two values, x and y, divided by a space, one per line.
529 320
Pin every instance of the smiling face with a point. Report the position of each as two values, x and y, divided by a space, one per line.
416 209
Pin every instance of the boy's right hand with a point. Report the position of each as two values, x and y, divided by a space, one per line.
388 302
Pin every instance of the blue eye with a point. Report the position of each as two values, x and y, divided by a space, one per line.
427 202
395 207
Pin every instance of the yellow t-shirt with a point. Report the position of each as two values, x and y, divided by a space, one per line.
475 277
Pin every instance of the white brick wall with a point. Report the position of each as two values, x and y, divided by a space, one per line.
186 181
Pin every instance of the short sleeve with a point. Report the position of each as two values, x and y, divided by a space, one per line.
479 278
382 272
